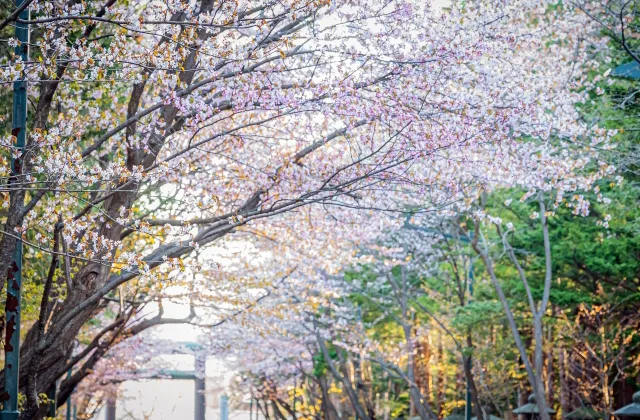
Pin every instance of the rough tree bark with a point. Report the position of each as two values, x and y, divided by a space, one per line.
94 280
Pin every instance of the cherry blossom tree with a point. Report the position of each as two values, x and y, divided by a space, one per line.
301 127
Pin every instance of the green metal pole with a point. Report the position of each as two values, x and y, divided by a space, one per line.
9 395
69 398
52 396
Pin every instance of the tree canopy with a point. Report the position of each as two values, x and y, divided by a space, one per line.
367 206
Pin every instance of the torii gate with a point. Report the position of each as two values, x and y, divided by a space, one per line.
197 375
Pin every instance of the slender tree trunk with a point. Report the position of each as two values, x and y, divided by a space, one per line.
327 406
347 383
441 378
387 403
419 404
565 398
265 411
534 375
538 386
551 390
468 373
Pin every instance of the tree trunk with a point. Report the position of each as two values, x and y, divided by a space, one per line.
565 398
327 406
387 403
468 373
441 378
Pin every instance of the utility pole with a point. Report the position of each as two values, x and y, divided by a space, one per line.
9 396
